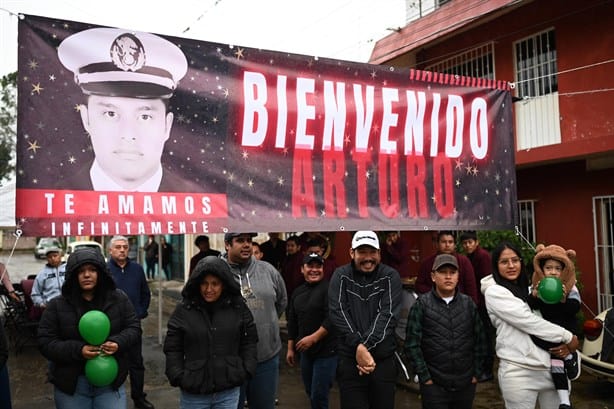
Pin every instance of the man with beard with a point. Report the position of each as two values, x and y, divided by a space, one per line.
364 301
265 293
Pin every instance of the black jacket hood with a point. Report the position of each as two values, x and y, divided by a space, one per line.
215 266
105 283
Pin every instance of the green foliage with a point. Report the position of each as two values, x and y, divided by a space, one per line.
8 124
489 239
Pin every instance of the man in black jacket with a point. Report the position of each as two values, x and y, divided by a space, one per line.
364 301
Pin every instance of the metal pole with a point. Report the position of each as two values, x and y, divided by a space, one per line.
159 290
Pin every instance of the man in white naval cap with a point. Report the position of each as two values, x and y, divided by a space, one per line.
128 78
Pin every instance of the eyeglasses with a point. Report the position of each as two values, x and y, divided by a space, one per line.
506 261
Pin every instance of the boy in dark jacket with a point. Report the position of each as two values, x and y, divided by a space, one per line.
445 340
555 261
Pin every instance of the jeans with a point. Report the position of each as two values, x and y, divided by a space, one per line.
136 370
87 396
151 268
5 388
373 391
227 399
261 389
318 375
436 397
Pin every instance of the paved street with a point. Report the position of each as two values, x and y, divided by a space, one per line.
30 391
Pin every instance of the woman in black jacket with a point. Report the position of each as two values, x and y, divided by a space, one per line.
210 345
88 286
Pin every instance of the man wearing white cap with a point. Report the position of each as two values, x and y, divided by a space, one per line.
128 78
364 304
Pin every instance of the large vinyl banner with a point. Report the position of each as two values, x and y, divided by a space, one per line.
123 132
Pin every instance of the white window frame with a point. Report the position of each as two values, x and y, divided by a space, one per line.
478 62
536 84
526 219
603 229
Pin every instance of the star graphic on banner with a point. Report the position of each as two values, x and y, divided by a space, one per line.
474 171
458 182
373 74
250 183
52 77
77 107
468 168
33 146
225 92
280 181
37 88
459 164
72 159
32 64
245 155
239 53
322 213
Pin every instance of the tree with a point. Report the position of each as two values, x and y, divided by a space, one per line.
8 125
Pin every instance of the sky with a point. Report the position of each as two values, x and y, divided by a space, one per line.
340 29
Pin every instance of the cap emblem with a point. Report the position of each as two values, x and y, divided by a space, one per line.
127 52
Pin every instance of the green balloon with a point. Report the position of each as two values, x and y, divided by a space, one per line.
550 290
102 370
94 327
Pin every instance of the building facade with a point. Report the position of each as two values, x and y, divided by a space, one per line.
559 57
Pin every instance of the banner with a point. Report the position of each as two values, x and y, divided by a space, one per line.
123 132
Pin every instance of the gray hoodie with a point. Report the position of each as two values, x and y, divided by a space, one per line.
265 293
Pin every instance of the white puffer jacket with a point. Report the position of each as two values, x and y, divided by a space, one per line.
514 321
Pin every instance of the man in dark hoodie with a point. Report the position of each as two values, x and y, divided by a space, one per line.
263 288
130 277
210 345
364 302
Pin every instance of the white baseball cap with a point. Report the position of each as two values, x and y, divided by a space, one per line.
365 238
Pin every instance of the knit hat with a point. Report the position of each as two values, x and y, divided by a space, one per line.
558 253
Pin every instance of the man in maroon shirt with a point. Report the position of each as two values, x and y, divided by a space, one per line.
447 245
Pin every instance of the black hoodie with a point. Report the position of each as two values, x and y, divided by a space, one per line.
58 332
210 346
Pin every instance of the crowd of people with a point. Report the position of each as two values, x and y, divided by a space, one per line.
223 341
